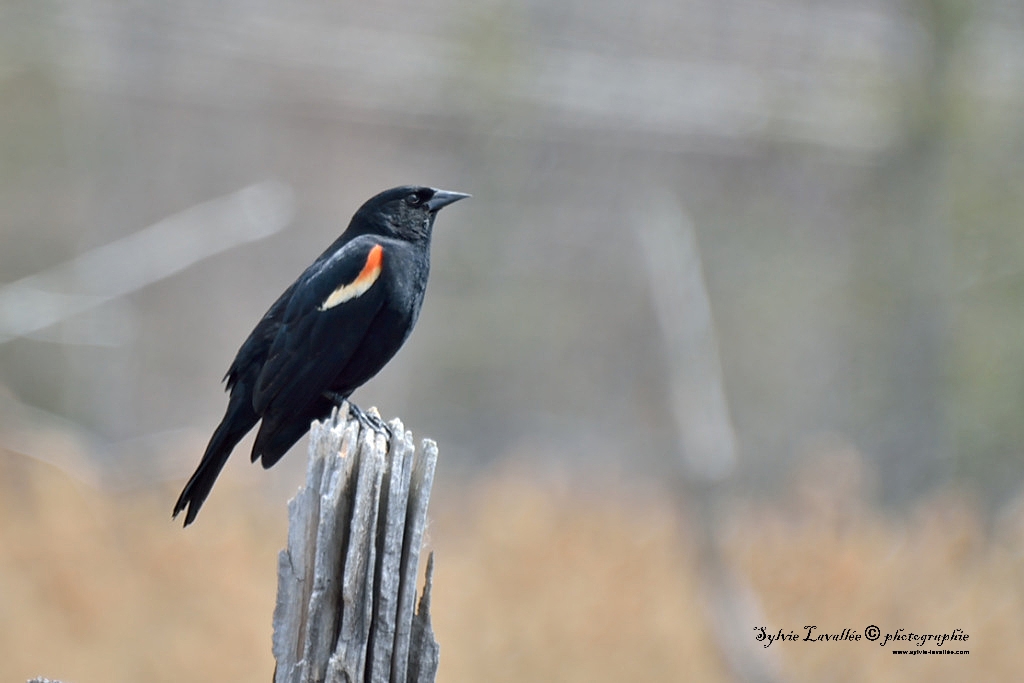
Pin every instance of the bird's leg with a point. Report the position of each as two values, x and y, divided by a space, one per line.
334 397
337 400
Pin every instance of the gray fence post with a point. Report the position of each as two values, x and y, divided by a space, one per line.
346 596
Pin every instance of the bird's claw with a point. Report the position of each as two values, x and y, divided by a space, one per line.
370 420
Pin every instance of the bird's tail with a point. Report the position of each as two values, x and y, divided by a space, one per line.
238 420
277 434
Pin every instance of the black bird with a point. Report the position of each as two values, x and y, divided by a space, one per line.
331 331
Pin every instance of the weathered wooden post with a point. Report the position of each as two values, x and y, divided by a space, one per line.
347 580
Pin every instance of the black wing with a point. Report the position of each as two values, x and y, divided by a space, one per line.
324 323
253 352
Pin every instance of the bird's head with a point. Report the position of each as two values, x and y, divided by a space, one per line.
405 212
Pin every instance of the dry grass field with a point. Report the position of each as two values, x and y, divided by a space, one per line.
535 581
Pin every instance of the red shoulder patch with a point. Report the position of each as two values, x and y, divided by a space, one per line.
362 282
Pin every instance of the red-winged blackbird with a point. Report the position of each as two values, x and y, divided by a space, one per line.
332 330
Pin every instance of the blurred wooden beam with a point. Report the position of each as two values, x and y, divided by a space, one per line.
347 580
707 449
30 305
822 88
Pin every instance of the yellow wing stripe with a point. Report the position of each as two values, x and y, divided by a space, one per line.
367 276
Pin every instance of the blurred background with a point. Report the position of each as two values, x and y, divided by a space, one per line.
730 335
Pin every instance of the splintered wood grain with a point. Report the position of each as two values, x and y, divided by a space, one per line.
347 580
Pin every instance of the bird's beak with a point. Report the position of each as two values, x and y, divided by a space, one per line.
442 199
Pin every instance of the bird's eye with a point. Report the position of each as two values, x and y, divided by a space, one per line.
413 199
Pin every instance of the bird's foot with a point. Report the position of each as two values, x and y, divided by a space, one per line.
371 420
